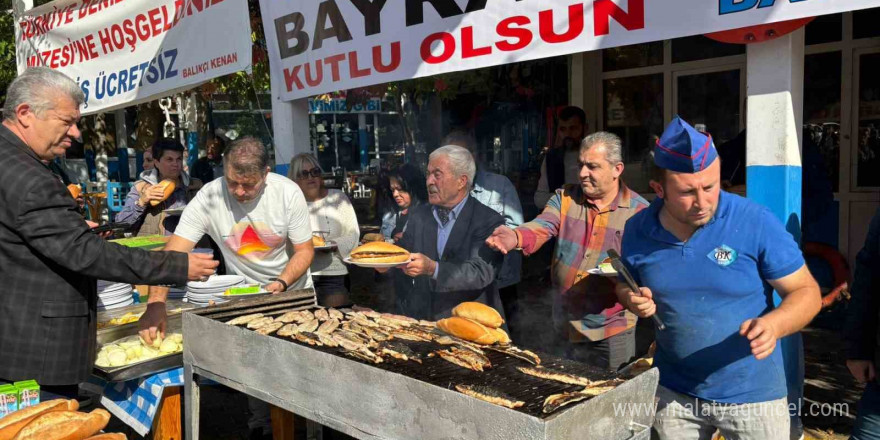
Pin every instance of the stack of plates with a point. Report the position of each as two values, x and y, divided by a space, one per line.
176 293
114 295
202 292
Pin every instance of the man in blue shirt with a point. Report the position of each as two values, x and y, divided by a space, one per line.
709 261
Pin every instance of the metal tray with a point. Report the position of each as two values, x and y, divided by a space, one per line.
140 369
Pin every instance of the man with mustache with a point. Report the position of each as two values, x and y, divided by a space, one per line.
709 262
560 162
450 262
587 220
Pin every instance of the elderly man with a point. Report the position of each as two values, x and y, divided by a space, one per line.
450 261
560 162
497 192
49 259
587 220
257 218
709 261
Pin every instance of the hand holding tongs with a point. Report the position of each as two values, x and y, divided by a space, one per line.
621 269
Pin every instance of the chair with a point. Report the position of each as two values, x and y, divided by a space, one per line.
116 193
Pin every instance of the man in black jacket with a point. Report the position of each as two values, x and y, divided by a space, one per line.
450 260
861 333
49 259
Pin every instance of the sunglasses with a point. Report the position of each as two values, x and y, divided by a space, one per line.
314 172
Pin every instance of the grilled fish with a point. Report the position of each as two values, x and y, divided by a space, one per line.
512 351
345 342
449 340
241 320
287 330
490 395
368 312
557 401
309 326
328 326
270 328
366 355
600 387
388 324
411 334
259 322
322 315
308 338
288 317
364 322
327 340
403 321
430 324
400 351
335 314
377 335
457 359
472 357
558 376
307 315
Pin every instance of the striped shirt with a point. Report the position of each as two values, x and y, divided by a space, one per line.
584 233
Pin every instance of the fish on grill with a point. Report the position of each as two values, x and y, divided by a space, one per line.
558 376
364 321
411 334
368 312
388 324
309 326
242 320
556 401
328 326
365 354
400 351
307 315
335 314
451 340
403 321
455 356
289 317
345 342
322 315
270 328
472 357
603 386
325 339
308 338
490 395
512 351
376 334
430 324
287 330
259 322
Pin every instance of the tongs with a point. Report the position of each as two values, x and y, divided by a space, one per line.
621 269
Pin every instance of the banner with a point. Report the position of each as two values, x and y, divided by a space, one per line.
319 46
125 52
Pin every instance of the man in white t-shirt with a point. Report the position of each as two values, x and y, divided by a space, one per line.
260 221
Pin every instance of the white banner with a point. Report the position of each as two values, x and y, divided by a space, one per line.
319 46
123 53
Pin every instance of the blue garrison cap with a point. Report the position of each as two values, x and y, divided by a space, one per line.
683 149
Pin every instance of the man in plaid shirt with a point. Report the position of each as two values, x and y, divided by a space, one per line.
586 220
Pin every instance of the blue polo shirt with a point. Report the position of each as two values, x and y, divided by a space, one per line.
705 289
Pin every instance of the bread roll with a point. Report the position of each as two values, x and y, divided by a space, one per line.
318 241
501 335
75 190
168 185
113 436
65 425
379 252
372 236
468 330
479 312
13 423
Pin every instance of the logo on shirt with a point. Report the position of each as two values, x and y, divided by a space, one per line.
723 255
253 241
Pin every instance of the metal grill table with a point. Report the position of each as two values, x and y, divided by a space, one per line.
395 400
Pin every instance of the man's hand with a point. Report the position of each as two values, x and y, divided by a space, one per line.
419 265
397 236
274 287
762 334
641 304
863 371
201 266
152 322
503 239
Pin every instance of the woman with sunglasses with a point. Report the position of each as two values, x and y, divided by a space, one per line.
333 219
407 189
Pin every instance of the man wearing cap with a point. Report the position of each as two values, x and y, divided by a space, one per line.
587 220
708 262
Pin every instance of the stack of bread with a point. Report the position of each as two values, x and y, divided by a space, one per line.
475 322
56 420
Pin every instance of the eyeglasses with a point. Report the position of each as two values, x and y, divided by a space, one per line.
305 174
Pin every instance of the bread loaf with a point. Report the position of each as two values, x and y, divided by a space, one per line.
168 185
479 312
65 425
379 252
372 236
501 335
75 190
318 241
113 436
468 330
13 423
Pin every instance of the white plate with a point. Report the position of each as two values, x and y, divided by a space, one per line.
116 306
597 271
347 260
217 281
115 288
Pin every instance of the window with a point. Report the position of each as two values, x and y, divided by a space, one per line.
824 29
865 23
699 47
822 112
629 57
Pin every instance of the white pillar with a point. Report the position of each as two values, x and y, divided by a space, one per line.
290 127
773 157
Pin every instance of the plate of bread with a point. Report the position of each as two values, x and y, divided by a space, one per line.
323 245
378 254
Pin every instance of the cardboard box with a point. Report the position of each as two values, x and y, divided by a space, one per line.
28 393
8 399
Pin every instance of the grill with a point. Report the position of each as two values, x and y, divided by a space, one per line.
397 399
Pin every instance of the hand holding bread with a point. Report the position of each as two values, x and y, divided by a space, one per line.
158 193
